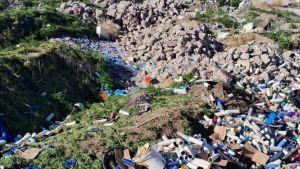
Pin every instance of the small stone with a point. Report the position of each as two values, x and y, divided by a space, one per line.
244 49
222 35
244 63
248 27
287 54
222 75
245 56
265 58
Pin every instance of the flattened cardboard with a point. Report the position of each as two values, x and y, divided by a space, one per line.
222 163
260 158
167 83
254 154
201 163
127 156
31 153
219 133
249 150
235 146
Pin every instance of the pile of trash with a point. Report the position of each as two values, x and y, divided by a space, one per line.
254 140
265 136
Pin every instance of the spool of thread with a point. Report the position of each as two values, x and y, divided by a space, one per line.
276 156
282 143
166 142
41 134
275 149
190 139
213 158
290 153
2 142
124 112
187 149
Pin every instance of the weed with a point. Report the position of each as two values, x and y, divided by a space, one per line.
234 3
283 39
228 21
218 16
207 111
177 84
220 2
205 16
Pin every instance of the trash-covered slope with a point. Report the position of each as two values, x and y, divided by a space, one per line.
37 81
89 139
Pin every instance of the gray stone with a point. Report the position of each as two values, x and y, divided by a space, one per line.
244 49
257 60
265 58
245 56
248 27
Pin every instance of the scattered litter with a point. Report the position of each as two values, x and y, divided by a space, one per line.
50 117
31 153
34 168
145 107
79 106
124 112
108 124
70 123
70 163
99 120
43 94
147 79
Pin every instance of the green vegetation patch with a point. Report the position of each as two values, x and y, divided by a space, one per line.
41 24
283 39
217 16
64 73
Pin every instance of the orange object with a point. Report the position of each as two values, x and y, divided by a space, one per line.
147 79
102 95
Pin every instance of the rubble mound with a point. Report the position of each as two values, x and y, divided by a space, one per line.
137 99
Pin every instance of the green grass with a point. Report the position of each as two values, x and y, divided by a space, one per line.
56 71
234 3
40 24
283 39
216 16
69 143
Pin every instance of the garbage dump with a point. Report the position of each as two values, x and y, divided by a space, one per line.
267 135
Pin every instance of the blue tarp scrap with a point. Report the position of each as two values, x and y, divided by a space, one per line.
270 118
29 114
10 152
70 163
34 167
119 92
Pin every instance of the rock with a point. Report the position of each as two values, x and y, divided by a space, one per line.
265 58
264 76
257 60
244 63
222 35
245 56
222 75
248 27
287 54
244 49
99 14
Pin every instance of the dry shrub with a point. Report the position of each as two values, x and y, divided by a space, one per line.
277 3
109 28
259 4
239 40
